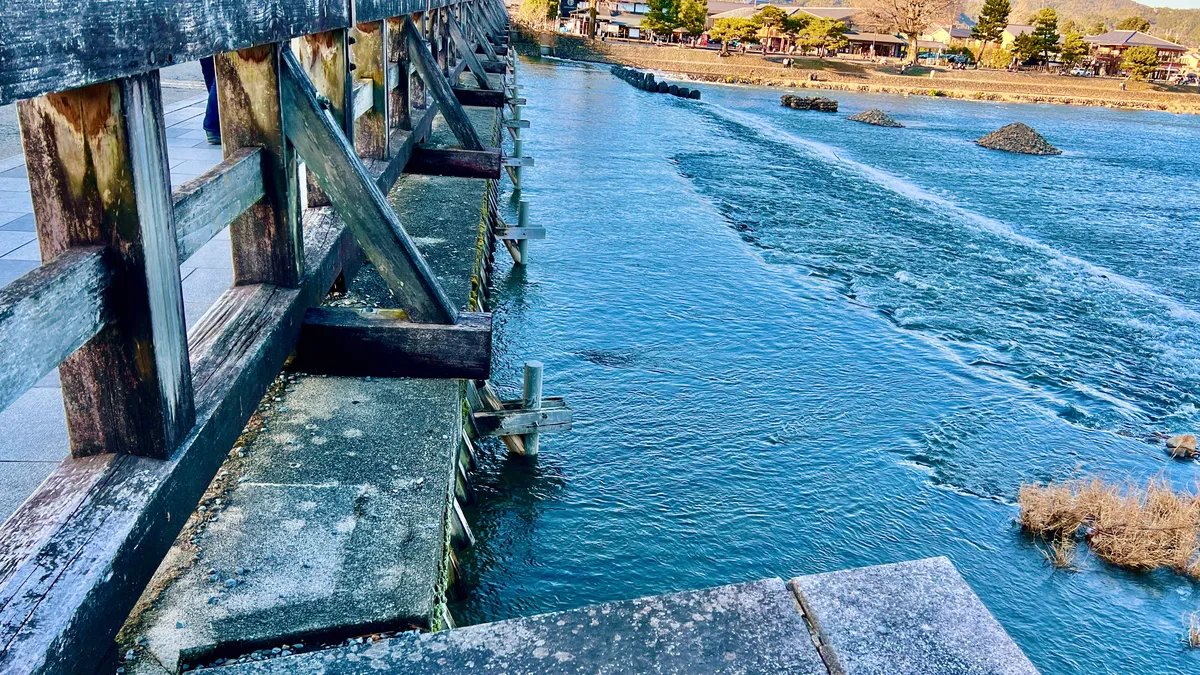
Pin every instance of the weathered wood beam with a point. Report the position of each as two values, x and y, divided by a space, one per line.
49 313
427 68
127 390
484 44
454 162
363 101
398 78
518 233
495 67
384 343
479 97
326 59
76 555
359 201
369 53
513 420
208 203
466 51
266 240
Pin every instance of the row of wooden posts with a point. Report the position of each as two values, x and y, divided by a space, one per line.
323 104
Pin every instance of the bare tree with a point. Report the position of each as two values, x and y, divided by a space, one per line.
910 18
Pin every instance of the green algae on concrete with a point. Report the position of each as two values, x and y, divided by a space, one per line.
744 628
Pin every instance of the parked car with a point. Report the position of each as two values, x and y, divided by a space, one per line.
1081 72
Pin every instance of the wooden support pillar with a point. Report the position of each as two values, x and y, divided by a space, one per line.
399 106
326 59
418 96
532 400
451 109
369 54
267 245
97 160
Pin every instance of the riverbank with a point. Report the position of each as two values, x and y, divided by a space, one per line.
843 75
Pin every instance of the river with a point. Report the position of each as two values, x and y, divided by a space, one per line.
796 344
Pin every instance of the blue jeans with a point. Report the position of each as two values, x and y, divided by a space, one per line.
212 117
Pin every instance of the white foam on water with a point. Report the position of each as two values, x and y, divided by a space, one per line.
914 192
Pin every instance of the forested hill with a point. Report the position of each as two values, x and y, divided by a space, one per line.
1177 25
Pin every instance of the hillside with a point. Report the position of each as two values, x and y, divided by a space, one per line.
1177 25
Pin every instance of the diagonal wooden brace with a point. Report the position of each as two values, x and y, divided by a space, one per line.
358 200
467 51
485 43
436 84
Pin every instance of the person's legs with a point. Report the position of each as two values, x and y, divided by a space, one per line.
212 119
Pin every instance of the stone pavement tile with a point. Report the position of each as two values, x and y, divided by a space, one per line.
18 480
192 311
50 380
336 517
195 166
751 628
910 618
14 184
206 284
11 241
15 172
30 251
34 427
22 222
178 179
217 253
16 202
14 269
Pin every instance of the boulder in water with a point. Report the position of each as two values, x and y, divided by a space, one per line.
875 116
1018 137
819 103
1182 446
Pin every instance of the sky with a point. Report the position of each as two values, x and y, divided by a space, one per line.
1177 4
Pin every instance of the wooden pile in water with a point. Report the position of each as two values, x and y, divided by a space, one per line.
646 82
818 103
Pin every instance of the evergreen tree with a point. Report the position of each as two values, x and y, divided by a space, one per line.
662 17
693 14
1074 49
1141 62
1045 32
1134 23
992 20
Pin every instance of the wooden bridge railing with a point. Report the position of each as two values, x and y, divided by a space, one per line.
323 104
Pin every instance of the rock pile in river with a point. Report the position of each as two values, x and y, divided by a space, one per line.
1018 137
819 103
875 116
646 82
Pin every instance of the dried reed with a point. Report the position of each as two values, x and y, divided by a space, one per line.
1139 528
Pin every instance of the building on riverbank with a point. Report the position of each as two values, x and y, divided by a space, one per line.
1109 51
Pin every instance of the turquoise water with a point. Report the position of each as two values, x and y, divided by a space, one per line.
796 344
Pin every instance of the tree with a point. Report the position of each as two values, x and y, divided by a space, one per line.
823 34
911 18
1141 62
537 12
1074 49
990 27
727 30
662 16
1134 23
1045 32
693 14
1098 28
1026 47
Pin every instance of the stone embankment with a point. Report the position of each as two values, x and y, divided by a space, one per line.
840 74
876 117
646 82
1020 138
818 103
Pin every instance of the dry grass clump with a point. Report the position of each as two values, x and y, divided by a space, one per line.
1135 527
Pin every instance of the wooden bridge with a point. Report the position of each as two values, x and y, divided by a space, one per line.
323 105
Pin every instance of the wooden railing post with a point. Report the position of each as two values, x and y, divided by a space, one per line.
267 246
326 60
97 162
369 54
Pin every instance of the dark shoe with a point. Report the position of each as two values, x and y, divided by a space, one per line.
213 139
